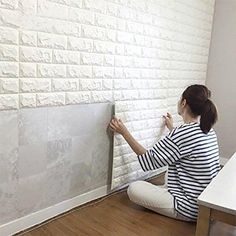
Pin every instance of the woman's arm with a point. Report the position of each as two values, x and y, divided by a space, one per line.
116 125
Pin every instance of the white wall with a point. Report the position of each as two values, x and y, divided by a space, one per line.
221 78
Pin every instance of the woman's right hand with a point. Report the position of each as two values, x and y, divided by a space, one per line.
169 121
116 125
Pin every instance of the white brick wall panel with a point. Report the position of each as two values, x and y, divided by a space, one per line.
35 85
121 24
161 44
65 85
139 40
50 99
148 73
80 44
150 94
78 97
138 5
54 26
102 96
104 47
151 63
127 13
125 160
91 59
46 40
9 69
28 7
52 10
29 54
133 50
111 35
8 53
93 32
10 4
90 84
106 21
118 72
65 57
9 85
107 84
27 100
64 2
125 169
132 73
109 60
120 49
8 102
142 62
135 27
98 5
112 9
81 16
164 55
176 65
28 70
139 84
8 35
126 95
153 31
124 61
149 52
51 71
79 71
103 72
144 18
10 18
122 84
125 37
75 3
28 38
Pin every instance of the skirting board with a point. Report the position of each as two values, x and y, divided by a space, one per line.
50 212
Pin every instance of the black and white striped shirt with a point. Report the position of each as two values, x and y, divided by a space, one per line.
192 158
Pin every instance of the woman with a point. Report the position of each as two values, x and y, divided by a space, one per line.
190 151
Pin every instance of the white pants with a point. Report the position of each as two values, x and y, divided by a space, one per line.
155 198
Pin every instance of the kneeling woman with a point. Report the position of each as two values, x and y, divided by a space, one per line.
190 151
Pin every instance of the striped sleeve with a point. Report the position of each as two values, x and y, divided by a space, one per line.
163 153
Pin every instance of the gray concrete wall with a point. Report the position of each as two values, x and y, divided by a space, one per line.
48 155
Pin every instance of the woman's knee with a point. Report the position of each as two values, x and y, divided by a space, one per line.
134 189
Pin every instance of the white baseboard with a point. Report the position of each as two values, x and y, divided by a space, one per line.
50 212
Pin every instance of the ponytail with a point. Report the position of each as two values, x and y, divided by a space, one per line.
208 117
197 98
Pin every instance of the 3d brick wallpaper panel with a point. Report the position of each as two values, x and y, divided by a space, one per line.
58 52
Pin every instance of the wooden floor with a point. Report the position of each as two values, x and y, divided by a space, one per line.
117 216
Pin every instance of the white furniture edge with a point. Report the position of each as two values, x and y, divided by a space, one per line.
223 160
208 203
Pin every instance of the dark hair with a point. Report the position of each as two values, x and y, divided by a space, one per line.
198 99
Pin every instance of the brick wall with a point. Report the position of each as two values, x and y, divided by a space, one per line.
59 52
